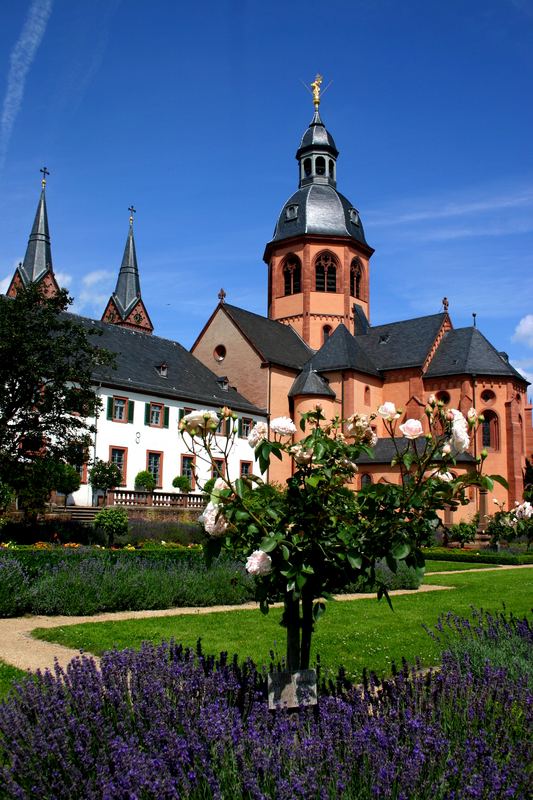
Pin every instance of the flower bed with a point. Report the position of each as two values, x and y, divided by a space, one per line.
164 722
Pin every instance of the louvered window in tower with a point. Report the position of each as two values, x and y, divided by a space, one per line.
292 275
325 273
355 278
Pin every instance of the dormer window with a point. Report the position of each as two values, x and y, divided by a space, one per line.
291 212
223 383
320 165
163 370
384 338
354 217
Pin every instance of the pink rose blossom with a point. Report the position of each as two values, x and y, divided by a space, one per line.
259 563
412 429
524 511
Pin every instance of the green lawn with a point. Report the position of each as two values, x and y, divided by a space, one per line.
356 634
8 675
453 566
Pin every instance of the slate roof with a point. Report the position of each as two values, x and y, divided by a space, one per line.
401 344
38 257
128 289
342 350
309 382
384 451
317 137
138 356
322 210
277 343
466 351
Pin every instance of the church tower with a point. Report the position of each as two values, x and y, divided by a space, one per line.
125 306
37 265
318 259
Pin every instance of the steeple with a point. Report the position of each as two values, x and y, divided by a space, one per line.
37 264
125 306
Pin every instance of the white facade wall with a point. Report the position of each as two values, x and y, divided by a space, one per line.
138 439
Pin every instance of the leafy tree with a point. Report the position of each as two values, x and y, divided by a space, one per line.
113 522
67 480
528 480
183 483
104 475
145 480
47 360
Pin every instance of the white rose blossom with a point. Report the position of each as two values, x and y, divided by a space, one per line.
460 440
199 420
301 455
524 510
213 520
257 434
259 563
388 412
445 476
283 426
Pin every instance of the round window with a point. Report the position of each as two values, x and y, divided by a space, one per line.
444 397
219 353
488 396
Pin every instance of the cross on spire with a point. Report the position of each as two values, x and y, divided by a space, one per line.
45 172
132 211
222 295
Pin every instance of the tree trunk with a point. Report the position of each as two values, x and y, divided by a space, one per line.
292 617
307 630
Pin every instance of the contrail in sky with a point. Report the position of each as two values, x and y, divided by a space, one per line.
21 59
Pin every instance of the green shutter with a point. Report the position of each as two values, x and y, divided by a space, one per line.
147 413
229 426
240 426
165 418
131 406
110 408
181 414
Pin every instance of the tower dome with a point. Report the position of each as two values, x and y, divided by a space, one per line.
317 207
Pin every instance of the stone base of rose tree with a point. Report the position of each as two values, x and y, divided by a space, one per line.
292 689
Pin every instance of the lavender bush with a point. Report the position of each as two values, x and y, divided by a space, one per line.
165 722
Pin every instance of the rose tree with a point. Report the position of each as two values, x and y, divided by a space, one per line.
315 536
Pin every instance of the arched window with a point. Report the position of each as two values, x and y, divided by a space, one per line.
326 332
444 397
366 479
490 431
320 166
292 275
331 168
356 274
326 273
308 167
367 395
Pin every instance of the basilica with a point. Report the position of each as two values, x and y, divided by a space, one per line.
316 344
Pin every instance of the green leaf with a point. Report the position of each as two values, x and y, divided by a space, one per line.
499 479
355 562
313 481
241 516
268 544
319 609
407 459
285 552
401 550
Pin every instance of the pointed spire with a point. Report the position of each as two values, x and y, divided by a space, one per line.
125 306
128 289
38 259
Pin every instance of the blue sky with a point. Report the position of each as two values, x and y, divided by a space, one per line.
193 113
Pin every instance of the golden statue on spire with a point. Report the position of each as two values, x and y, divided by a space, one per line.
315 86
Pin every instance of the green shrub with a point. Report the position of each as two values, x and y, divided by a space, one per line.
113 522
209 486
145 480
182 483
464 532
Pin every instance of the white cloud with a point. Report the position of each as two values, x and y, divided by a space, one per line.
525 368
96 277
4 284
63 279
96 290
524 331
21 59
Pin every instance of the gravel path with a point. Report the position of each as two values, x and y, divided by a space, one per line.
18 648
